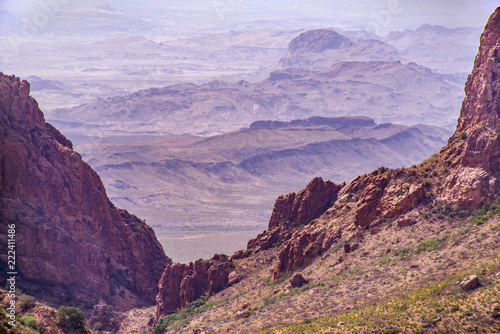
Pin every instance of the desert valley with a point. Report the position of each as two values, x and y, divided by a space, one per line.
150 178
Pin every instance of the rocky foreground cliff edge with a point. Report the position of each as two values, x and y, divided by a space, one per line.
73 246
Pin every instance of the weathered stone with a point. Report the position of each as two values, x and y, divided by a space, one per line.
241 254
307 204
198 331
303 249
405 221
470 283
242 314
473 150
182 283
297 280
233 278
109 319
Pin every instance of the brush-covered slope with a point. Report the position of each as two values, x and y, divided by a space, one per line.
72 244
408 250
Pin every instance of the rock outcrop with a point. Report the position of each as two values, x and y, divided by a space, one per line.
319 49
295 209
72 244
474 149
307 204
182 283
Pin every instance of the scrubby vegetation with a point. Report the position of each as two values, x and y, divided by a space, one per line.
183 316
71 320
439 307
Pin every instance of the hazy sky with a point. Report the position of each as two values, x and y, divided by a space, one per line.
380 16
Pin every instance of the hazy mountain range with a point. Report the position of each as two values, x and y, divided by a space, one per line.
230 180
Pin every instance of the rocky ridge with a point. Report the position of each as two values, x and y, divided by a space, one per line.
74 245
462 176
198 181
387 90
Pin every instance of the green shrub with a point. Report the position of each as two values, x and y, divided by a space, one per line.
431 244
463 135
480 220
403 253
71 320
98 326
382 170
195 307
29 321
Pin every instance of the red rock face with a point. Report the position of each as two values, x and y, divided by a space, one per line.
73 244
183 283
295 209
301 250
305 205
474 150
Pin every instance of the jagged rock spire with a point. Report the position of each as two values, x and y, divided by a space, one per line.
479 125
473 152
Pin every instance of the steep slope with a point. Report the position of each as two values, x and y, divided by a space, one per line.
72 244
357 242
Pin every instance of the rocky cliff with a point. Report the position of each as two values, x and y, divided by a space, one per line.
474 149
183 283
461 177
72 244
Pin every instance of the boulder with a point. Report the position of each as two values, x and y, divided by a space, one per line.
469 283
297 280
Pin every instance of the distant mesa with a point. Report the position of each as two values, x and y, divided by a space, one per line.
38 83
319 49
388 91
318 41
333 122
